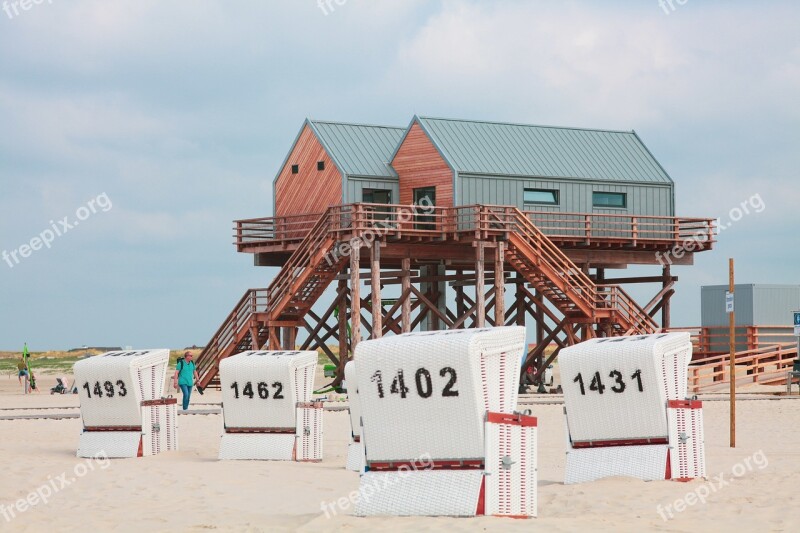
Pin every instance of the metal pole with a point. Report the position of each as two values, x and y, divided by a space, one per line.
732 372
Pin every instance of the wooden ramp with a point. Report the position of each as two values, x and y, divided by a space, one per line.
766 365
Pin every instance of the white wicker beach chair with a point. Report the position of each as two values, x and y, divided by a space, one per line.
122 406
268 412
438 425
625 409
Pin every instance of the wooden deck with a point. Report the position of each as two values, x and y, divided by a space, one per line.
583 236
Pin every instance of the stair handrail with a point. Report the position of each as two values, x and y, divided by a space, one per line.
577 280
241 313
276 292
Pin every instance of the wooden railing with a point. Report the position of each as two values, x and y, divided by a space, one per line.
716 339
563 228
253 301
760 365
593 228
616 298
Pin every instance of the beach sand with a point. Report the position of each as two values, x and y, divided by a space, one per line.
191 490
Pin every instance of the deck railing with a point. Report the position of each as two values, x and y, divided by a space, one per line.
767 364
582 229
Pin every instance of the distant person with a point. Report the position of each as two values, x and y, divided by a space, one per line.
185 376
22 368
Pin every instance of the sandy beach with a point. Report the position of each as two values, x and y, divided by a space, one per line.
191 490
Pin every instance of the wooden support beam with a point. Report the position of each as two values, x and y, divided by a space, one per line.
274 338
432 307
480 311
405 309
499 285
386 275
288 336
519 300
666 308
377 307
344 350
621 281
355 295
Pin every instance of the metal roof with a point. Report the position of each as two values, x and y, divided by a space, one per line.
495 148
359 149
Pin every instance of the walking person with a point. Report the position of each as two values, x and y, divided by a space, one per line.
22 373
185 376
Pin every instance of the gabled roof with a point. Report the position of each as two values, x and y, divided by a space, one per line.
496 148
359 149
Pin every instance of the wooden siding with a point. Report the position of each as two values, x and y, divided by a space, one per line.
575 196
418 164
310 190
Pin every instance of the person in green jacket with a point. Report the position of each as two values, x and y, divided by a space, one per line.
185 377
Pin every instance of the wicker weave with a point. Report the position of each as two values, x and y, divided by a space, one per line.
141 373
287 374
482 366
644 462
420 493
661 362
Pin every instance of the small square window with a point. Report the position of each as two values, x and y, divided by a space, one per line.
616 200
295 169
540 196
320 165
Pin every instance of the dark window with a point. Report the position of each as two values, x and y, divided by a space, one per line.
320 165
425 200
295 169
377 196
540 196
610 199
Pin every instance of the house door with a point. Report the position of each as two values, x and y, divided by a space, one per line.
425 200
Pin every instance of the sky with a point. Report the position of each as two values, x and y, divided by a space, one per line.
154 125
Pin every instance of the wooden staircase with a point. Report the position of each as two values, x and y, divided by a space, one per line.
565 285
236 334
298 285
307 273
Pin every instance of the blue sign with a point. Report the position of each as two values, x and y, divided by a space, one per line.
797 318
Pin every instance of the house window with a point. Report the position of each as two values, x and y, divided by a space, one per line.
320 165
377 196
617 200
540 196
295 169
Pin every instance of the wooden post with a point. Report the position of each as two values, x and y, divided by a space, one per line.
377 307
499 286
520 300
732 326
480 311
461 307
274 338
344 349
355 294
665 309
539 318
405 286
288 336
